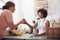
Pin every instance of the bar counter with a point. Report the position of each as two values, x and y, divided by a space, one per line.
27 37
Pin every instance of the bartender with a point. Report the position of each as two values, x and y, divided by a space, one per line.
42 23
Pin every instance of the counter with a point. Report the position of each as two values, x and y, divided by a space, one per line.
26 37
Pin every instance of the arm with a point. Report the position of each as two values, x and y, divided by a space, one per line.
40 34
9 20
20 22
47 25
35 25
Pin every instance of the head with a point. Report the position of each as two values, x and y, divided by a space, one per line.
42 13
10 6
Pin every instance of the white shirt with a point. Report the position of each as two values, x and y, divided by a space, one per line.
41 25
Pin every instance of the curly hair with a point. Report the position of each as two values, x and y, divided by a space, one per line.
43 11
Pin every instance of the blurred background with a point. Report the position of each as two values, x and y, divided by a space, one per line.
27 9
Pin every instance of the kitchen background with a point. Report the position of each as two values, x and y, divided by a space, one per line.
28 9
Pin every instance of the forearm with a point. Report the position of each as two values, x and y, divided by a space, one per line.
17 24
20 22
29 25
40 34
34 26
14 26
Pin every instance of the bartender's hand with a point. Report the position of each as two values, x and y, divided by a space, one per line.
37 35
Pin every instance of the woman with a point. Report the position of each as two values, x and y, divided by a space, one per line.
6 19
42 23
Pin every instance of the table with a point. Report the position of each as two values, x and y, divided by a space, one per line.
27 37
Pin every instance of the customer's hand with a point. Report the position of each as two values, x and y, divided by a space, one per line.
22 21
25 22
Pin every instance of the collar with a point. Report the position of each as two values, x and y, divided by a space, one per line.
42 19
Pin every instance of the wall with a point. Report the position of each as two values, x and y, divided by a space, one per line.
17 14
24 9
54 9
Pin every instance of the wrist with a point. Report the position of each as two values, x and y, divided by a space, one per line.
27 23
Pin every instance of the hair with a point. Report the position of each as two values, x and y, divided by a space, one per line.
43 11
8 4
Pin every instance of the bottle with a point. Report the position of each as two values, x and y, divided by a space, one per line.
35 31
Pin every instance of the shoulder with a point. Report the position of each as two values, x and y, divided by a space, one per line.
46 20
6 12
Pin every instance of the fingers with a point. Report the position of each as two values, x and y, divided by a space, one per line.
36 35
23 21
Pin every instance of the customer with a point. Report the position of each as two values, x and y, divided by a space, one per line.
42 23
6 19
